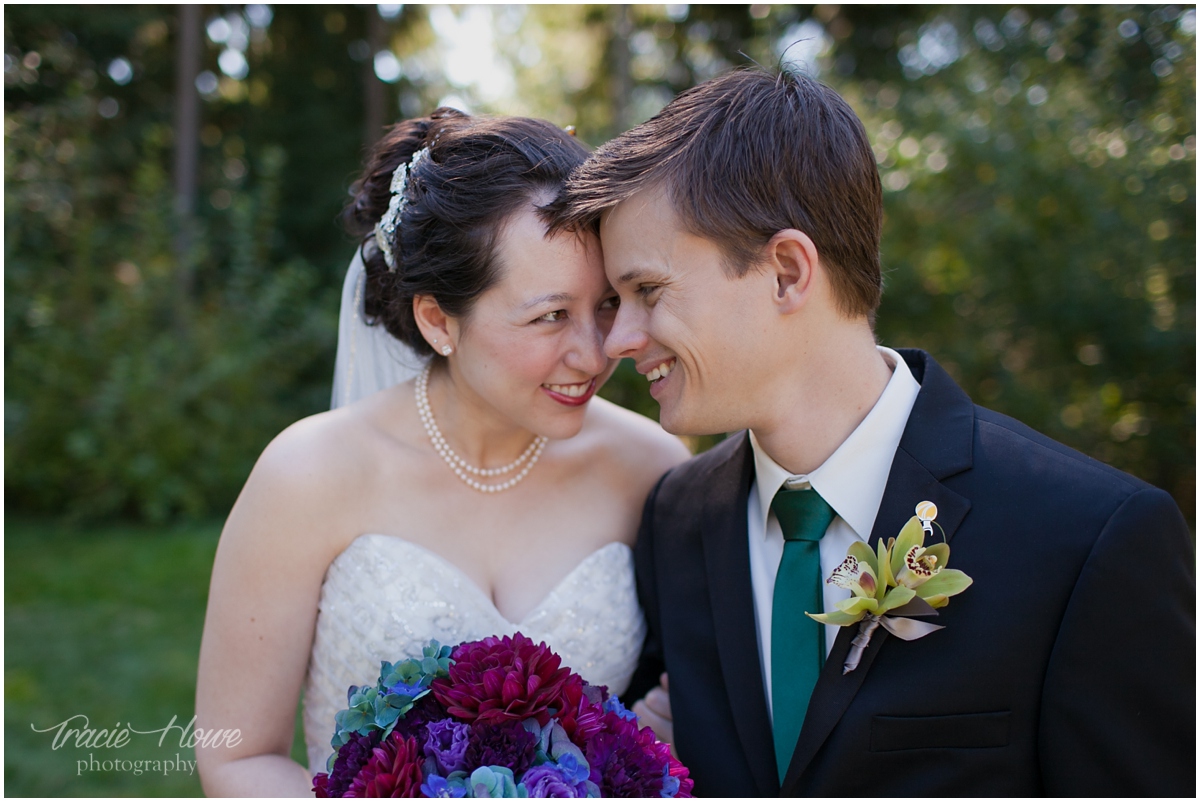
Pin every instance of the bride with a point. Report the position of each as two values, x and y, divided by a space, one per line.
490 493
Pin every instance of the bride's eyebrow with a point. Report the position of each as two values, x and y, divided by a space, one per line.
554 297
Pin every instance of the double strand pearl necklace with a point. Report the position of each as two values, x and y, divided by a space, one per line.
463 469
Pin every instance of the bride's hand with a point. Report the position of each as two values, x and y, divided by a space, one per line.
654 711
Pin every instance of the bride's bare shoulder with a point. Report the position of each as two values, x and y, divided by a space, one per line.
635 443
325 461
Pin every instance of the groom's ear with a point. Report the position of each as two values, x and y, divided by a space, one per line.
791 259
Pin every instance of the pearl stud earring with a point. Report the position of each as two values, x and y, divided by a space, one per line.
447 350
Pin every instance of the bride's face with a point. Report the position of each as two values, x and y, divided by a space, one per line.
532 345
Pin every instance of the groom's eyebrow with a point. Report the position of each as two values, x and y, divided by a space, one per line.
631 276
551 298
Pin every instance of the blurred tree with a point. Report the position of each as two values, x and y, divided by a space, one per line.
1038 163
1039 173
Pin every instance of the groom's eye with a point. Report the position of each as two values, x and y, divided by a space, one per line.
646 290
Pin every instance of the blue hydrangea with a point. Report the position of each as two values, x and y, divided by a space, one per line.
613 705
436 787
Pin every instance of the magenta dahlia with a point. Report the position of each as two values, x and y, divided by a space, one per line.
506 679
581 718
394 770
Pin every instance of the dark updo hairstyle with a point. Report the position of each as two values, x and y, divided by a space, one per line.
479 172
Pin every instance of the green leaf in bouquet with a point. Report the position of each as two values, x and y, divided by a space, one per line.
353 720
361 695
494 782
386 716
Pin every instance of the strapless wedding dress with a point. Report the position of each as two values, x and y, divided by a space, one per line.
384 598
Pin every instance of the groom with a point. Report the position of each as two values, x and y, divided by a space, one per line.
741 229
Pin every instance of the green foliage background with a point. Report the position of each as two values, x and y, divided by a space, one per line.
1039 239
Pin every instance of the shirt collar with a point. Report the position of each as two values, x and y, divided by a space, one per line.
854 477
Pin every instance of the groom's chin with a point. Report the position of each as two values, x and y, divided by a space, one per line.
678 422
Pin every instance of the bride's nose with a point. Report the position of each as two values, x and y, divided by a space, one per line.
586 353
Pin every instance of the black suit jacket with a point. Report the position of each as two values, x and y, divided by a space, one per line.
1068 668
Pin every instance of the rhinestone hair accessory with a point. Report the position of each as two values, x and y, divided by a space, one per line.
385 229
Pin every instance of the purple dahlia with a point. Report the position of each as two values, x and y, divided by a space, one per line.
426 710
508 744
628 762
353 755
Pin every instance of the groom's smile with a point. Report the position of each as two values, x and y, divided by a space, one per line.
681 318
659 372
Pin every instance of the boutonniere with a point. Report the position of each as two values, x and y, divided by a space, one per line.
900 581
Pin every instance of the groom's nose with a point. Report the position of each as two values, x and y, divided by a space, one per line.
627 338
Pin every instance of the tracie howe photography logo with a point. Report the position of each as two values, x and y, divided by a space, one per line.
78 733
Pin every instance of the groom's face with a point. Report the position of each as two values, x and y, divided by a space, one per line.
698 335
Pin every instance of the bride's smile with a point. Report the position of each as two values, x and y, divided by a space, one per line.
528 356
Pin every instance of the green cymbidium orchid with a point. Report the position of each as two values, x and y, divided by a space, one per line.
901 573
891 576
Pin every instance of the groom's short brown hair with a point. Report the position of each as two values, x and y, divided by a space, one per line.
742 157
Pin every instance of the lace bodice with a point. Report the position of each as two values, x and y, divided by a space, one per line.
385 597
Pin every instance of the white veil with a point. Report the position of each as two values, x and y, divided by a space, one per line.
369 359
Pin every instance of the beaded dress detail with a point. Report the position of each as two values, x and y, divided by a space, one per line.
384 598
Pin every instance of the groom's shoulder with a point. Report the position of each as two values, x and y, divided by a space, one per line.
716 466
1003 454
1010 454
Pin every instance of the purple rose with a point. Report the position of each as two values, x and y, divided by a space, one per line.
548 781
446 742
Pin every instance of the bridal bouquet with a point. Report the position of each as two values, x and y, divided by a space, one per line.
494 718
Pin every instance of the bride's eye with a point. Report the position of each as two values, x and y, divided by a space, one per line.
553 317
610 303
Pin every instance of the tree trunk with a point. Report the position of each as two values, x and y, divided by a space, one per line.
187 136
622 81
373 88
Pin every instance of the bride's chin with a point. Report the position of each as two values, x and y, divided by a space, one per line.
562 426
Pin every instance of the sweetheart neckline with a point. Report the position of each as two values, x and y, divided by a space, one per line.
478 591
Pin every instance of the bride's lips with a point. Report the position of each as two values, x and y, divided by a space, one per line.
565 397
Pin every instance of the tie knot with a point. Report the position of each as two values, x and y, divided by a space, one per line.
802 514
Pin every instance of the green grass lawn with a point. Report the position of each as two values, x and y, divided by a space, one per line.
104 623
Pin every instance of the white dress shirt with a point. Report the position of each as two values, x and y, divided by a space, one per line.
851 481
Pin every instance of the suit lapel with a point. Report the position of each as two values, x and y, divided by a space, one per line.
936 444
727 561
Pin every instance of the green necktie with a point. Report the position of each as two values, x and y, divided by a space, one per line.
797 642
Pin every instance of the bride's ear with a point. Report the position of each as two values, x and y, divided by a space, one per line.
439 329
